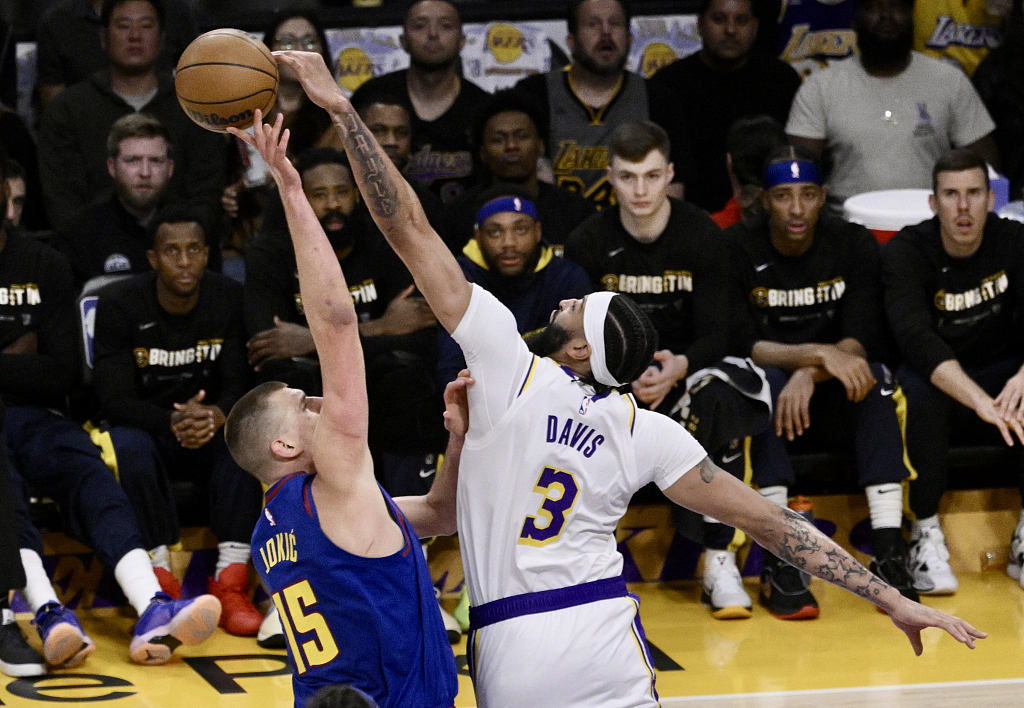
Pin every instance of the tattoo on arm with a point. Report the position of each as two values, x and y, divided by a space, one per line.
804 547
379 189
707 470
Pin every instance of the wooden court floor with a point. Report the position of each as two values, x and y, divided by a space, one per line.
850 656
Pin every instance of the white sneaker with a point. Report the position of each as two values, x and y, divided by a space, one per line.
723 587
1017 554
451 625
271 634
928 563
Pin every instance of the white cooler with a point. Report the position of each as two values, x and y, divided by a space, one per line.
887 211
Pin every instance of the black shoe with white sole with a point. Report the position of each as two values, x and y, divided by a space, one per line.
17 658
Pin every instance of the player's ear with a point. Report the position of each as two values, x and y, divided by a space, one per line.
284 449
578 348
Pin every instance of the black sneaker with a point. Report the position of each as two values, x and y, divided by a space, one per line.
17 658
890 564
784 591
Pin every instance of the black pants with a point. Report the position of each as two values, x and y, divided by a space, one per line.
871 428
933 418
12 575
51 455
146 465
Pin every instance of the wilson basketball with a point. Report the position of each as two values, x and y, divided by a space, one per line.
223 77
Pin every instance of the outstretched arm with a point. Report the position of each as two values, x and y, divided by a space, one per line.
708 490
433 514
340 441
392 202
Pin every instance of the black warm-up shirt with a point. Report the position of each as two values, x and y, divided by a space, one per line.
442 157
830 293
677 279
148 359
943 308
37 296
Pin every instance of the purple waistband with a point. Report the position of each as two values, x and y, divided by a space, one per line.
533 603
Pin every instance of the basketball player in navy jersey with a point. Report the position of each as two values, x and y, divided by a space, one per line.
340 558
553 454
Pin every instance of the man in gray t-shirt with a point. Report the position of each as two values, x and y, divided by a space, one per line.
886 115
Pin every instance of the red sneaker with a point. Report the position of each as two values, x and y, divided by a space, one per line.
168 583
238 617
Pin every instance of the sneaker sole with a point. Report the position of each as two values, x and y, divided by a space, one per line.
193 625
22 670
65 646
725 613
807 612
274 641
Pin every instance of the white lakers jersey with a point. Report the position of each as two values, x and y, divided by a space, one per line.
548 467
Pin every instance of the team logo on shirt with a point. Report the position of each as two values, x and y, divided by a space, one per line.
990 287
204 350
428 165
832 43
116 263
670 281
827 291
950 33
16 295
924 126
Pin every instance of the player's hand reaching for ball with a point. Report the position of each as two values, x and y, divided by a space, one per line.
911 617
456 405
271 140
315 77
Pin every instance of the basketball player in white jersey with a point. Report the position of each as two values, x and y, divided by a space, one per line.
552 457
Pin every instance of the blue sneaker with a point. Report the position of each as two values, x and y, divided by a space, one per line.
65 643
167 624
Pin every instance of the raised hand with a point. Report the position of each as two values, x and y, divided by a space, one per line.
271 140
313 74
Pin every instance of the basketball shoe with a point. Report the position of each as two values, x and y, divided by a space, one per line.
1017 554
929 563
167 624
890 561
239 617
785 591
65 643
723 590
271 634
17 658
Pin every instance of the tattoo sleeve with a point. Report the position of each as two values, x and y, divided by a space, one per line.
800 544
378 179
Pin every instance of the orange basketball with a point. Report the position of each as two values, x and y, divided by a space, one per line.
223 77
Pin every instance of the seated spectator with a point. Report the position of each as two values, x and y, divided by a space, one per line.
50 455
442 101
586 101
958 32
668 255
16 187
19 146
380 285
111 235
70 48
509 257
954 293
723 82
1000 83
388 116
170 360
508 135
74 128
748 144
808 285
885 116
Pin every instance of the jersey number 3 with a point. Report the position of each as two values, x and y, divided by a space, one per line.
560 492
292 603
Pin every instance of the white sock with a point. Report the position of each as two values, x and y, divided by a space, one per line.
885 502
932 522
229 553
160 558
779 495
424 547
38 589
134 573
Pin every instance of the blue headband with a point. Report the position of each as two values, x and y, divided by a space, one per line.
496 206
789 172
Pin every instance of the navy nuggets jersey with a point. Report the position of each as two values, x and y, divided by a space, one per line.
372 623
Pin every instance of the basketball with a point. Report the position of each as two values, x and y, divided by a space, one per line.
223 76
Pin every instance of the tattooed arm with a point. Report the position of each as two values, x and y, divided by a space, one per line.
793 539
392 202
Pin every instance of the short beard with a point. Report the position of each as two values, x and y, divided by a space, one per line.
548 340
588 63
885 53
142 205
432 67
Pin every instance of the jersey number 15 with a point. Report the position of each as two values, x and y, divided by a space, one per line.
292 603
